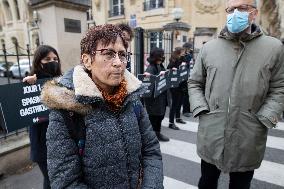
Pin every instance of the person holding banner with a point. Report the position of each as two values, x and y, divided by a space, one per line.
156 107
176 60
46 64
187 58
112 144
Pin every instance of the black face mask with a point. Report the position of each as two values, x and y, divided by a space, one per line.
51 68
162 59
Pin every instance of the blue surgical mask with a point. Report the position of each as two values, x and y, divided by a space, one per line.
237 21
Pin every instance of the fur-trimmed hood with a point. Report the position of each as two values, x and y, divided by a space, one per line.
75 91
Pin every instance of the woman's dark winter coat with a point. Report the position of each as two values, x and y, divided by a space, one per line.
116 143
37 133
183 85
156 106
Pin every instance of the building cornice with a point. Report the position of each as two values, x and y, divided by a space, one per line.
82 5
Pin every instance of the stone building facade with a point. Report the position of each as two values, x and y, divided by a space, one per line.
202 20
16 23
272 17
205 17
59 23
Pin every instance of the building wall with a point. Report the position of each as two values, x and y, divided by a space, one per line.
62 26
19 26
69 43
50 29
281 11
47 26
14 23
197 13
210 14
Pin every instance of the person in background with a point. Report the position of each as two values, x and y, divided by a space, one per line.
237 90
46 64
118 148
128 36
187 58
177 94
156 107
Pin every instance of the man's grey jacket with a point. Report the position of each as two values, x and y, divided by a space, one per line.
237 90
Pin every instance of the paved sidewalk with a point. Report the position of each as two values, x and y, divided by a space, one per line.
31 179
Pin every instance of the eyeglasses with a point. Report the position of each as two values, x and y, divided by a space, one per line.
110 54
241 8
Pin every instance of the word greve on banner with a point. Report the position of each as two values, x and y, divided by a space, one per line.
156 84
20 105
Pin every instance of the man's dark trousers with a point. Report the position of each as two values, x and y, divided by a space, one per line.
210 175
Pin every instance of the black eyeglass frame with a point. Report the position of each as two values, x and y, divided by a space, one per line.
233 8
127 54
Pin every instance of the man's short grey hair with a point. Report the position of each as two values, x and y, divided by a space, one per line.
254 3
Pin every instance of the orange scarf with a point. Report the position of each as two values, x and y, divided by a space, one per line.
115 101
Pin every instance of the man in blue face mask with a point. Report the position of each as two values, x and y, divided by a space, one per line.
240 16
236 89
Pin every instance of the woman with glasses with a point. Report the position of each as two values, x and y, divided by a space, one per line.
118 148
46 64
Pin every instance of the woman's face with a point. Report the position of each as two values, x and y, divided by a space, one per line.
161 59
107 65
182 53
51 57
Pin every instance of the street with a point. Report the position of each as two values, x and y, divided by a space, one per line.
182 165
4 80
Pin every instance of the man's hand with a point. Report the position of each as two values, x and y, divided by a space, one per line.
30 79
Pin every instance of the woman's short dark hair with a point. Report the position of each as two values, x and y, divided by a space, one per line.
105 34
41 52
176 54
125 27
155 55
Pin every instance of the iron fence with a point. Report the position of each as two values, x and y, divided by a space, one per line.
144 41
15 63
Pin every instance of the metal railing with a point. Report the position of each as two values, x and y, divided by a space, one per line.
17 61
12 56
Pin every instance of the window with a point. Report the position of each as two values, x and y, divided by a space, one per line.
153 4
17 9
7 9
184 38
156 39
116 8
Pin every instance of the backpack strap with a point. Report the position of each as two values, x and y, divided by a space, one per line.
76 127
137 110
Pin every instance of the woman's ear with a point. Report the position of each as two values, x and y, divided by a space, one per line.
87 61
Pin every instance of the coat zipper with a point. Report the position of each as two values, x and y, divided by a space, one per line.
229 100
